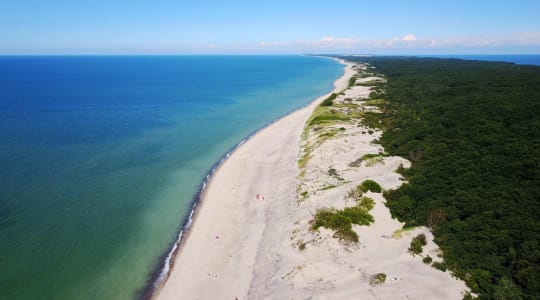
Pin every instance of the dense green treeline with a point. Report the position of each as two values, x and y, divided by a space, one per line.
471 130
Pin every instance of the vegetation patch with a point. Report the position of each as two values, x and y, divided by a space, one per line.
356 163
417 244
352 81
370 157
329 101
376 94
427 260
328 187
302 162
341 220
439 266
334 173
324 116
366 202
399 234
377 279
374 161
328 119
347 105
374 120
370 185
327 133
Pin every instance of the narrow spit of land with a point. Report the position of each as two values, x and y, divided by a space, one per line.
267 228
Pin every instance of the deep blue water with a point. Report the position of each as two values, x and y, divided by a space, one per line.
520 59
102 155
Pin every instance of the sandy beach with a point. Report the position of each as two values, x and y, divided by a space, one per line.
252 239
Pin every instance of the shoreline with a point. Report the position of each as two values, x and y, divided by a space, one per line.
253 235
161 276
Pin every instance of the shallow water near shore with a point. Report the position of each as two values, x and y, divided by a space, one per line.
102 155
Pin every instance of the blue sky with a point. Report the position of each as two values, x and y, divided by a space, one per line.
232 26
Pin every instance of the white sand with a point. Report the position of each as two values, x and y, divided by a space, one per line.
247 248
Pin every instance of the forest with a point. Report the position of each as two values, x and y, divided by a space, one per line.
471 131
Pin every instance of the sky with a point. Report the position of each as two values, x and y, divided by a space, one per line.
271 27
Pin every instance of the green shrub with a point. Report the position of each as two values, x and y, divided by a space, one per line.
370 185
427 260
334 220
358 215
341 220
367 203
417 244
346 234
352 80
378 278
329 101
439 266
422 239
330 219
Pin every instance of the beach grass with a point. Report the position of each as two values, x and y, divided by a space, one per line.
341 220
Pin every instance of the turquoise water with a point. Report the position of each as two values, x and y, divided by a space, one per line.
102 155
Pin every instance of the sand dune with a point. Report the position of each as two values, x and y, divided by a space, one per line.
255 213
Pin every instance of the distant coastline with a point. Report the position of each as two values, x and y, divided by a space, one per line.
520 59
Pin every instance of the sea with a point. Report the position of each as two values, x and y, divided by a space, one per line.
102 158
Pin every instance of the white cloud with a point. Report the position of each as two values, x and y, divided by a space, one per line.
406 42
409 38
